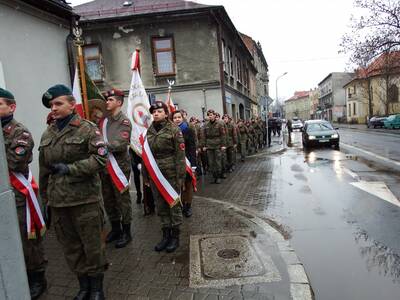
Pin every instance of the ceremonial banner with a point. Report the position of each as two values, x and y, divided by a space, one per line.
29 188
76 92
189 170
138 105
118 177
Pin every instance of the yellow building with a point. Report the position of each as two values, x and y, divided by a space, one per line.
298 106
375 90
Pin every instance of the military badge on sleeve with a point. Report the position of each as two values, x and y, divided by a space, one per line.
102 151
125 135
20 151
182 146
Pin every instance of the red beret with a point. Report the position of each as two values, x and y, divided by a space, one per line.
114 92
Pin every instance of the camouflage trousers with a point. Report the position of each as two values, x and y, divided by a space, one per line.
169 216
35 260
214 162
230 157
242 146
78 229
118 206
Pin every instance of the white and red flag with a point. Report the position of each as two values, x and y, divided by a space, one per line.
28 187
138 105
76 92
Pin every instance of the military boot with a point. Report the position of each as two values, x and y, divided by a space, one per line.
187 210
84 288
115 232
165 240
96 287
126 236
223 176
174 240
37 284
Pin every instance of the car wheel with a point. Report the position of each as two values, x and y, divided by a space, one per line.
337 147
374 126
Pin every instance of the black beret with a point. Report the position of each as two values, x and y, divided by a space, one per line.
6 94
159 104
55 91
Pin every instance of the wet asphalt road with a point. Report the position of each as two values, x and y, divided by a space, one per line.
347 238
385 144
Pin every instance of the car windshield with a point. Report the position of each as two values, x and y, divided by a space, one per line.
319 127
296 122
390 118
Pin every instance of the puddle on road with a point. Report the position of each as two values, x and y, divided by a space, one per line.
378 256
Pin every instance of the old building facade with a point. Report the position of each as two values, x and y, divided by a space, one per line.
374 91
298 106
196 46
332 99
262 78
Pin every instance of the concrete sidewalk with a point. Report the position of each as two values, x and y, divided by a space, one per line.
229 249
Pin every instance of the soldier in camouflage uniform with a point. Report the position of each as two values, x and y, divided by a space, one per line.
168 148
71 155
250 141
213 139
224 163
19 144
231 144
117 203
243 135
257 134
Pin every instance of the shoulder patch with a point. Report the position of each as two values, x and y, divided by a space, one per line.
75 122
182 146
179 133
102 151
26 134
98 132
125 135
126 122
20 151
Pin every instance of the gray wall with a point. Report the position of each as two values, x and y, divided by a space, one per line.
34 57
193 48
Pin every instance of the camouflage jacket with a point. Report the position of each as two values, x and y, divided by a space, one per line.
81 147
168 148
213 135
231 134
257 128
243 133
19 145
119 130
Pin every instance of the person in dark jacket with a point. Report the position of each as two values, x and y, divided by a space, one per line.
189 135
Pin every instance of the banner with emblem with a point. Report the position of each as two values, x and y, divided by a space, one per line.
138 105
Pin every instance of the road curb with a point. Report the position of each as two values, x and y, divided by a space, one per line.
300 287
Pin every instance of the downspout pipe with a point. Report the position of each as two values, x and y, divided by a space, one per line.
71 48
221 62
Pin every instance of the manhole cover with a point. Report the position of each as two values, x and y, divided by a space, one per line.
228 253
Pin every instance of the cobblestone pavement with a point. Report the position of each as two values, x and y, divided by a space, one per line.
138 272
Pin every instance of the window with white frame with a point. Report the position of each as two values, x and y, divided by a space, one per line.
163 56
93 62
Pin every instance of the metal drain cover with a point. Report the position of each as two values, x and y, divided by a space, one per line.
228 259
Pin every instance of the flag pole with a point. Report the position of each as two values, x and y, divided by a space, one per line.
77 31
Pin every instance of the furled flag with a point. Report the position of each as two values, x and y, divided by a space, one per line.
76 92
170 104
138 106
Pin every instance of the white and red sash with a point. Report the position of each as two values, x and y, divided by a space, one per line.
29 188
118 177
192 175
163 186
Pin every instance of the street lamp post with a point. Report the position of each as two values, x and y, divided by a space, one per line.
276 87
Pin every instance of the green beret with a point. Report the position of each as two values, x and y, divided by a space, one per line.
54 92
6 94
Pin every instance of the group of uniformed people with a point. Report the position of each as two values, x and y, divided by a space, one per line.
84 168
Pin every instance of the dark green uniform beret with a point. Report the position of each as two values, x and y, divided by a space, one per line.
6 94
55 91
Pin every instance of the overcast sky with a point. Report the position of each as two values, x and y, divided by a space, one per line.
300 37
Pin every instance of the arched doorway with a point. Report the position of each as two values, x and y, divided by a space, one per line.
241 111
